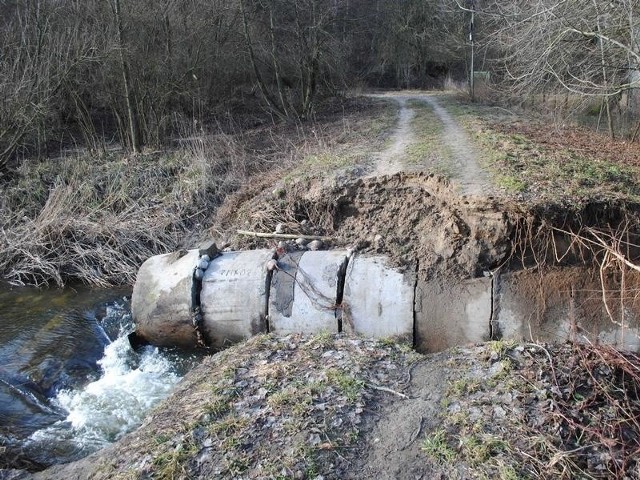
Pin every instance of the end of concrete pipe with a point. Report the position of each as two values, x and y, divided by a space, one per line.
163 300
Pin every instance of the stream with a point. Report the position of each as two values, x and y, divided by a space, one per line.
70 383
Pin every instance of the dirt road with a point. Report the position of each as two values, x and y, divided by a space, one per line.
462 162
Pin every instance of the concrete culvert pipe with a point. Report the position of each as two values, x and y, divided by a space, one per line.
189 300
378 299
234 296
163 300
306 292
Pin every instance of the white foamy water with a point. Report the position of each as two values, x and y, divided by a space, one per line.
105 409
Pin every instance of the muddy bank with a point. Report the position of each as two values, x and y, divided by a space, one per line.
419 219
416 219
337 407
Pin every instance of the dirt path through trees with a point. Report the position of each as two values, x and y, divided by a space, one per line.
461 162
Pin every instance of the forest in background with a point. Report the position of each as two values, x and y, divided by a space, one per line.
142 73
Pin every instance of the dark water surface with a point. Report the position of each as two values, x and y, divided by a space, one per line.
69 381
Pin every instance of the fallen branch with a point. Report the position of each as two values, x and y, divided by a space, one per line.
287 236
385 389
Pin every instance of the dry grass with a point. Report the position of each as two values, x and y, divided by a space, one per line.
100 221
95 219
537 412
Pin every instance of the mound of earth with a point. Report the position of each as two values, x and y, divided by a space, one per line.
412 218
335 407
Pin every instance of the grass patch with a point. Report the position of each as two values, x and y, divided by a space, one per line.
269 408
537 157
435 446
428 149
95 219
511 184
350 386
542 412
351 144
478 449
170 464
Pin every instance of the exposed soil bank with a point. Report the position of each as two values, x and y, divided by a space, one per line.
419 219
409 217
486 268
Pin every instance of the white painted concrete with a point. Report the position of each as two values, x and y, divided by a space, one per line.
162 299
234 296
378 299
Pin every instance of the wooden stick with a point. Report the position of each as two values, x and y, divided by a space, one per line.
289 236
385 389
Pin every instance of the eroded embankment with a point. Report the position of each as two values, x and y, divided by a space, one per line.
409 217
486 268
342 407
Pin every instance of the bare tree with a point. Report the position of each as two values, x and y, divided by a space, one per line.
291 44
587 48
132 115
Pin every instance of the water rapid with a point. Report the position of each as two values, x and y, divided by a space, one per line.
72 384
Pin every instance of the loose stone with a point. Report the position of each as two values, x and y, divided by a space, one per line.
315 245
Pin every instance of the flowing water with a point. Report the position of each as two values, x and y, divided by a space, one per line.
69 381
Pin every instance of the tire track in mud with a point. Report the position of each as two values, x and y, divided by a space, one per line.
472 179
389 161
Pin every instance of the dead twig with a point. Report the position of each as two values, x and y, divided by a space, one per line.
283 236
385 389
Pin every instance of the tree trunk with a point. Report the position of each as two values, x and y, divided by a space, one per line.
605 79
132 117
633 99
276 65
271 103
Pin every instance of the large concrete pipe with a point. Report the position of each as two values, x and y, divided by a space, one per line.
163 300
571 303
239 294
234 296
306 291
182 299
378 299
